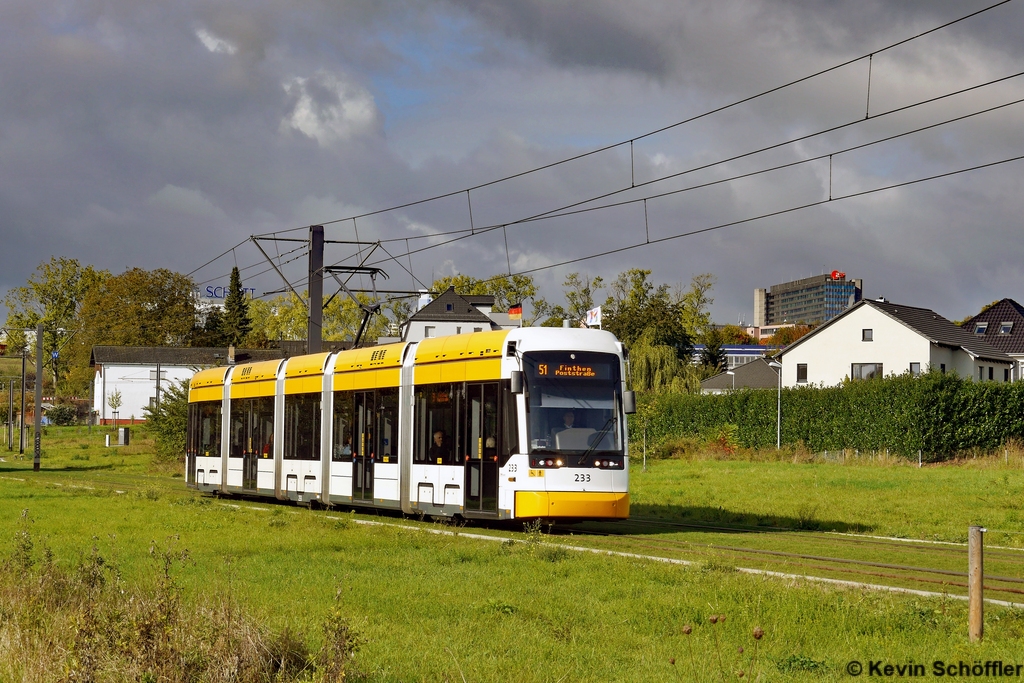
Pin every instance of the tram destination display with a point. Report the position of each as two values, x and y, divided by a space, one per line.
578 366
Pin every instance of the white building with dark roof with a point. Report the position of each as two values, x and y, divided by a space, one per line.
878 338
1001 326
452 313
132 371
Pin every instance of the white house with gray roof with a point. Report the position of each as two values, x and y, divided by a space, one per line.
879 338
132 371
451 313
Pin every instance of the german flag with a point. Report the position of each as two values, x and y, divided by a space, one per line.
515 311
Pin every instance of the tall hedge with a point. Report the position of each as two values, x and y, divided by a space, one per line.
935 413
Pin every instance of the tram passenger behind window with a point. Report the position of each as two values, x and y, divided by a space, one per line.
268 447
440 450
491 448
345 449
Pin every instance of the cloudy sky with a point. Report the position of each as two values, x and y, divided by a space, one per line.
159 134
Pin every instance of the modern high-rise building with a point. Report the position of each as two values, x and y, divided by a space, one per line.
812 301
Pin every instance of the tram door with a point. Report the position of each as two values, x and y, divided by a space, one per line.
261 426
249 455
363 448
480 419
248 434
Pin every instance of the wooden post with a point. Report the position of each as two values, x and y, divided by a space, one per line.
975 577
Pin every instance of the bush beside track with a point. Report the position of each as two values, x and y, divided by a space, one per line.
940 415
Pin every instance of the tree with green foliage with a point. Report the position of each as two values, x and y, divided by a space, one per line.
694 304
236 323
136 308
62 415
579 291
636 306
53 295
209 328
712 356
169 420
285 317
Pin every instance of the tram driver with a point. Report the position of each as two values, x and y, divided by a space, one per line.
568 419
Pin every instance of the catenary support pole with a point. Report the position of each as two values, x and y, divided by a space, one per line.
975 577
36 458
314 330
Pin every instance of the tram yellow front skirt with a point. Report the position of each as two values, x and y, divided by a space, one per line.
572 504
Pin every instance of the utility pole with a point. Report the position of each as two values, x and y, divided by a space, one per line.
10 418
39 398
158 386
21 418
314 331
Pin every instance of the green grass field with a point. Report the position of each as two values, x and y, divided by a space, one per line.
442 607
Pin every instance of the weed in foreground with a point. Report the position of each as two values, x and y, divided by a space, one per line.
85 623
743 666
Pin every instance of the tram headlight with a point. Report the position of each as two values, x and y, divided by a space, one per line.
597 463
558 463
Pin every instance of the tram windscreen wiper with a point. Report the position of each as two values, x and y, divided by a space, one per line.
598 438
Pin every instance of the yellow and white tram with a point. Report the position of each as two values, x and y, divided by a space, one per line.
513 424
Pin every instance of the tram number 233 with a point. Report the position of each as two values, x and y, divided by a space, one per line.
583 477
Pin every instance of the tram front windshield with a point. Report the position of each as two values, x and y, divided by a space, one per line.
573 402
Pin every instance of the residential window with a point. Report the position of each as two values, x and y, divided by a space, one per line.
1005 328
867 335
915 369
428 331
990 372
449 307
979 328
801 373
478 329
1006 374
942 368
458 330
865 370
981 373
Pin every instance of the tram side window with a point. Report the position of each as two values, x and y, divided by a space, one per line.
387 425
239 424
341 449
302 427
436 428
510 428
209 428
191 441
263 429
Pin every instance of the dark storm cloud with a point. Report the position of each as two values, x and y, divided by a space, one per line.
160 134
581 33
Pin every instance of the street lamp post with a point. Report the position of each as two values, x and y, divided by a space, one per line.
778 406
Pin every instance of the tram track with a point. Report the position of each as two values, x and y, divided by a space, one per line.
1004 554
826 566
840 566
